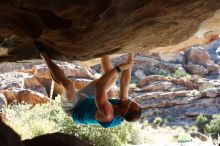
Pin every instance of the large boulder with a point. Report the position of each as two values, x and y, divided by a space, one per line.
197 60
42 71
24 96
83 29
33 84
156 86
190 85
197 55
149 79
79 76
47 84
146 63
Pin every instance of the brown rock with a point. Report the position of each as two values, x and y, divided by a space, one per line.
78 71
196 69
170 67
188 84
79 82
33 84
24 95
150 79
199 135
77 29
213 68
145 62
210 92
41 71
169 95
171 56
46 83
198 56
155 86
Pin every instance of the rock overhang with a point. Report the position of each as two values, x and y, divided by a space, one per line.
84 29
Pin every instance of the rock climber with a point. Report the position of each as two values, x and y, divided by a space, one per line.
91 104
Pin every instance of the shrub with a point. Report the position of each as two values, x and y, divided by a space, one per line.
171 119
173 89
163 72
201 122
205 86
180 73
213 128
31 121
157 122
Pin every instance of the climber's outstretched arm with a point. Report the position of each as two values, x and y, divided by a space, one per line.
103 84
125 80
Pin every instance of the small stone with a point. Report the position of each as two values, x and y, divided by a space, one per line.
196 69
140 74
211 92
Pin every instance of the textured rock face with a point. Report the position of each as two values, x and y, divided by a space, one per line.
34 84
83 29
198 56
24 96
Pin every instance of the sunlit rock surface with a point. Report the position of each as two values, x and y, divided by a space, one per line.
84 29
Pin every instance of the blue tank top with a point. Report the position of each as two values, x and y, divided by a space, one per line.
84 113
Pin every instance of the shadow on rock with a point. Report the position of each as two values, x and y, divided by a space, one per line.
8 137
55 139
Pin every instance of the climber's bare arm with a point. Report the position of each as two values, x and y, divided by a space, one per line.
103 84
105 109
125 80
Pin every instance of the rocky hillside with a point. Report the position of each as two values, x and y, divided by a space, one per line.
177 87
